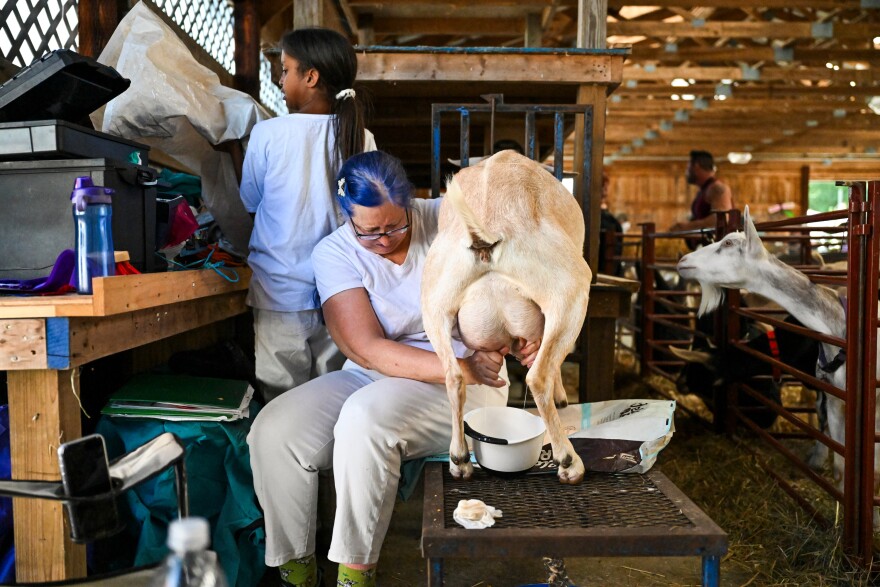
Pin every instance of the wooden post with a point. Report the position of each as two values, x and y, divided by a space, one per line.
804 199
246 32
592 16
365 32
594 95
534 30
43 413
97 21
308 13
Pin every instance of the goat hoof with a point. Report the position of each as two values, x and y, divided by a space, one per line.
463 470
561 404
573 474
565 462
571 481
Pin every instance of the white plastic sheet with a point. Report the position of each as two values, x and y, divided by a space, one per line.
179 106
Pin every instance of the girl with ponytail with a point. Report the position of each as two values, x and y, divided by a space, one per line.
288 186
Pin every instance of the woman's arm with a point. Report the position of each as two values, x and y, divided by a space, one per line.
354 327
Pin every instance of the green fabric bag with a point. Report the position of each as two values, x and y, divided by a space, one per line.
220 484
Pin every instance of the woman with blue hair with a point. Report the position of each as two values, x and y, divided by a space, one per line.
388 404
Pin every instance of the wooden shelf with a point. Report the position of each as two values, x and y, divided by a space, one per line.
126 293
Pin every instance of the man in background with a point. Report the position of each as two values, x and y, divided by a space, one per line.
714 195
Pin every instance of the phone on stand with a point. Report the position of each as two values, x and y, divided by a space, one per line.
85 472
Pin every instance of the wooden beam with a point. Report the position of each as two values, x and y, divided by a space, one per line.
23 344
766 90
43 413
97 21
739 29
818 4
457 27
740 104
269 9
533 32
592 21
75 341
767 74
534 69
309 13
452 5
752 54
349 15
246 33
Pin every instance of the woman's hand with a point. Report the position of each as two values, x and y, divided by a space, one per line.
525 351
482 368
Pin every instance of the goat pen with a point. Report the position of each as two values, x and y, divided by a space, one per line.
672 313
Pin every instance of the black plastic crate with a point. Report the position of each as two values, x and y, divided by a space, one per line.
37 222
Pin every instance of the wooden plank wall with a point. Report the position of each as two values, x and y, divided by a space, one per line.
657 191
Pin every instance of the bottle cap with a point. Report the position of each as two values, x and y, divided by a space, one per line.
189 534
85 193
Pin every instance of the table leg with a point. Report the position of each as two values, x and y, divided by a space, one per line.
43 413
711 570
435 572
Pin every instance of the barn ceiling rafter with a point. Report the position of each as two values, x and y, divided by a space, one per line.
775 77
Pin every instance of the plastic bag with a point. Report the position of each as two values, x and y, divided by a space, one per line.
179 106
615 436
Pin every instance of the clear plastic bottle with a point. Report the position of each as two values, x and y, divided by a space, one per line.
93 219
190 563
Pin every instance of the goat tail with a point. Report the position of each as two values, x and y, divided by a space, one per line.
477 231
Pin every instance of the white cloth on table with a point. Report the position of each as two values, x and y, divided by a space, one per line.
474 514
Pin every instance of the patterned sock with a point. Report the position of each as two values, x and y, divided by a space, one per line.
349 577
302 572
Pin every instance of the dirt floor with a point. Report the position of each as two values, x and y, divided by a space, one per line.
772 543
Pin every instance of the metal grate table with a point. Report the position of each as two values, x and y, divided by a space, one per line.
606 515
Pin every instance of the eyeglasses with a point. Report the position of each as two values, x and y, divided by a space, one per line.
377 235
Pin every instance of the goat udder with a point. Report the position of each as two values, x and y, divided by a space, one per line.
495 314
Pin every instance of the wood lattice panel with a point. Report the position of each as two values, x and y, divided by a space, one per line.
209 23
31 28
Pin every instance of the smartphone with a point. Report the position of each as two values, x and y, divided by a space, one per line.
85 472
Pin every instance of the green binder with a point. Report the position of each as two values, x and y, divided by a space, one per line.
159 395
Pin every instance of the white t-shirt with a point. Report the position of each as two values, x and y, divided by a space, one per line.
287 181
341 263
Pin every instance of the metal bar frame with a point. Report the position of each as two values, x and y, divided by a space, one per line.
862 238
582 188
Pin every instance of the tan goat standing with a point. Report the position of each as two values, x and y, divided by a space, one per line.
508 264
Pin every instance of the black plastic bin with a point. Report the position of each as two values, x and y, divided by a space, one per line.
37 222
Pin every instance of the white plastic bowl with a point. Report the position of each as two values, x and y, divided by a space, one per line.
506 440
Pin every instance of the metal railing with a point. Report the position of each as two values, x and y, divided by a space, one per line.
858 238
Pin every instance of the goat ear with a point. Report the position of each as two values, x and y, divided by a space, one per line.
753 241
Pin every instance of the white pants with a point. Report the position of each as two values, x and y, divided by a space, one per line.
363 425
291 348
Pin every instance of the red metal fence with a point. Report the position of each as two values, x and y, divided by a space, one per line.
667 318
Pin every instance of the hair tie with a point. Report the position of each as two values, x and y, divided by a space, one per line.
348 93
341 189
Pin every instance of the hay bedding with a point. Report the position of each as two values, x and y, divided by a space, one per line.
772 541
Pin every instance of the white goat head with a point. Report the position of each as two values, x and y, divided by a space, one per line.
728 263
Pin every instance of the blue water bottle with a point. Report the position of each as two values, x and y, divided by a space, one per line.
92 215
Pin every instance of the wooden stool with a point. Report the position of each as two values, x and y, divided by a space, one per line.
606 515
